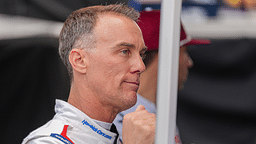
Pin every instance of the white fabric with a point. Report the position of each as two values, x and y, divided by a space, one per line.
105 125
81 128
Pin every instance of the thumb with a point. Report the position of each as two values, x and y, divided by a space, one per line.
140 107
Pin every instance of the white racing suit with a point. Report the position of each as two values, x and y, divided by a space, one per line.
70 126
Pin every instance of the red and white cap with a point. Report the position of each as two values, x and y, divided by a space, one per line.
149 23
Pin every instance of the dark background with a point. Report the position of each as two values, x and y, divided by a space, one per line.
217 106
31 78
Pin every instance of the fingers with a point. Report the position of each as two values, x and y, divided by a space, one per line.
139 127
140 107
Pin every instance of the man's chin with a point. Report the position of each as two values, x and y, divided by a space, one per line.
130 102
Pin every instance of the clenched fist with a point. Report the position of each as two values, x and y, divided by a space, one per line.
139 127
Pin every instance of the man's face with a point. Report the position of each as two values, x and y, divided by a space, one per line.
115 64
185 62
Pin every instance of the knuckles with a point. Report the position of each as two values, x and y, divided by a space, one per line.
143 119
143 124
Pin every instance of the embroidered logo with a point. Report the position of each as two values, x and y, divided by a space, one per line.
96 129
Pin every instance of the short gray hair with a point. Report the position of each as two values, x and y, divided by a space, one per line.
78 28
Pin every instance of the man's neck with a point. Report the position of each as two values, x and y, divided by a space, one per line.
90 105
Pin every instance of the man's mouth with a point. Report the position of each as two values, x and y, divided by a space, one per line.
135 83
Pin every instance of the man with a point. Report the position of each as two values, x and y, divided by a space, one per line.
102 48
150 24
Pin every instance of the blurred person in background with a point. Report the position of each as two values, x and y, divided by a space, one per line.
149 23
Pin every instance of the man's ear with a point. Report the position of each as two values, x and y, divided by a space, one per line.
78 61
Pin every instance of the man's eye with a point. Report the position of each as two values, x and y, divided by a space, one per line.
125 51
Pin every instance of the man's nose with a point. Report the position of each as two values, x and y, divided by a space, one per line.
138 65
190 62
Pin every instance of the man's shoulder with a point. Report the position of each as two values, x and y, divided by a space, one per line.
50 132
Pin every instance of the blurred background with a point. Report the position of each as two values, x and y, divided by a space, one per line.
217 105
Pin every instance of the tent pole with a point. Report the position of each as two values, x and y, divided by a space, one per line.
168 71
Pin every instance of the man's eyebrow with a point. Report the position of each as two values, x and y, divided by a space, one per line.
132 46
126 44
